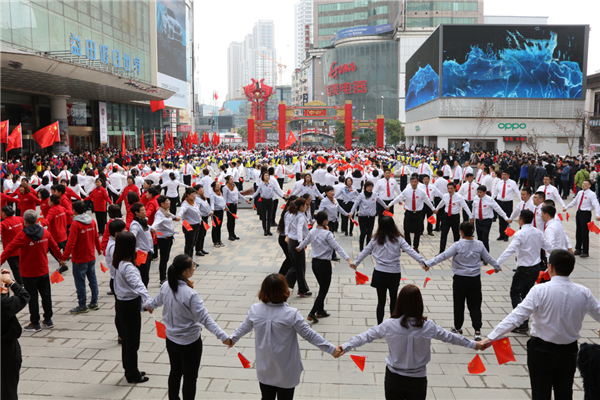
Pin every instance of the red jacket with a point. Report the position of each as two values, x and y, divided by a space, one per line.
82 240
68 206
70 193
106 235
5 199
29 201
151 209
9 229
100 197
45 208
127 189
56 221
35 242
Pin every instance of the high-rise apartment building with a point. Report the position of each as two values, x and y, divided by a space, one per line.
235 54
303 30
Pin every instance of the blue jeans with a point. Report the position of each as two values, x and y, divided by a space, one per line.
80 271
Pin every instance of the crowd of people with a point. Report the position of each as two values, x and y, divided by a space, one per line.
335 190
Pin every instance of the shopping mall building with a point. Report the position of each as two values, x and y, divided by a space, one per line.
94 66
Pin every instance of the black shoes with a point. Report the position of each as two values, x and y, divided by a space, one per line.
345 233
231 238
140 379
312 317
577 253
323 314
205 252
584 255
269 233
500 238
337 259
200 254
237 237
265 233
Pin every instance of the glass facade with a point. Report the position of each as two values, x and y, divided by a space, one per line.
435 21
442 6
363 73
131 119
56 26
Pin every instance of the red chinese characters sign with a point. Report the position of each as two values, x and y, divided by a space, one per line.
335 71
315 113
355 87
515 139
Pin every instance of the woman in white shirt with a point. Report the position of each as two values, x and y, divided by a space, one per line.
218 207
296 229
205 212
89 182
131 295
190 214
35 180
357 180
163 224
172 185
277 326
408 335
46 184
74 186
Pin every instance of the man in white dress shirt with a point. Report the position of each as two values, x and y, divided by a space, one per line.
558 309
424 169
433 194
554 232
441 185
457 174
585 201
527 243
526 203
452 203
387 189
117 181
483 213
299 168
505 191
551 192
468 190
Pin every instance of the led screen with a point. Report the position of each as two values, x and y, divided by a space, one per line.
422 73
514 61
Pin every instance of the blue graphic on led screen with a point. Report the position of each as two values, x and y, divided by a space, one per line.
525 68
422 87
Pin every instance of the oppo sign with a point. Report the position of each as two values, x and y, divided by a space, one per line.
513 126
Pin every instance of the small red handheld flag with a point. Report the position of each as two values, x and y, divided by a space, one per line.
354 221
540 276
568 215
141 257
359 361
254 206
206 227
361 279
289 191
388 214
187 226
402 279
490 272
213 223
244 360
509 231
431 220
503 351
161 329
103 268
593 228
56 277
159 234
427 279
282 207
40 219
560 216
234 216
291 176
260 199
218 220
476 365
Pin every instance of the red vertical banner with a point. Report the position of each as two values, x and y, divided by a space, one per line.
251 135
348 123
380 131
282 123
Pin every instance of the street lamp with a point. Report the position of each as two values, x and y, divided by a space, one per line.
381 105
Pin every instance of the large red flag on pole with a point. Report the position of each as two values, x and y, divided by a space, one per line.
291 140
14 139
184 142
4 132
123 142
157 105
47 135
154 139
143 144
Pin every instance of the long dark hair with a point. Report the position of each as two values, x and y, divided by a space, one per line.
410 305
281 224
387 229
181 263
124 249
188 191
294 206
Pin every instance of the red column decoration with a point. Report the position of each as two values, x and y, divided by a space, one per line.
380 131
348 123
251 136
282 124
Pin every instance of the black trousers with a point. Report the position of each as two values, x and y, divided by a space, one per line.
413 223
345 220
216 230
400 387
483 227
187 179
190 239
280 181
522 282
427 212
464 213
13 263
438 218
231 219
111 284
297 176
39 284
269 392
185 363
467 288
100 221
164 246
266 213
582 233
551 366
201 235
507 207
322 271
287 263
130 321
366 225
11 367
380 208
385 282
145 270
403 182
449 222
173 206
298 269
565 188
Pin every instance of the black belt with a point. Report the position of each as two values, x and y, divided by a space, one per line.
542 341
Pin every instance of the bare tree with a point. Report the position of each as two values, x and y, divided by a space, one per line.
571 130
535 140
485 117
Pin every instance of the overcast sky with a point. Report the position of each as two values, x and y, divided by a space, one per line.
218 23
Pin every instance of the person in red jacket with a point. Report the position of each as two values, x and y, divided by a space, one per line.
83 238
28 199
99 196
34 242
132 198
44 195
56 221
5 199
114 212
65 201
10 227
70 193
131 187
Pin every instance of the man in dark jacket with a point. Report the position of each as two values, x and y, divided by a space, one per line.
11 332
539 174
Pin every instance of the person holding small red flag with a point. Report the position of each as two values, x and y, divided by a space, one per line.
28 199
100 199
10 227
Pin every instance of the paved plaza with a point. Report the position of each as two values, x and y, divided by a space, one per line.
80 357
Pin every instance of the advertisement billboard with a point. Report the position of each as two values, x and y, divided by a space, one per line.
171 50
514 61
361 31
423 73
103 125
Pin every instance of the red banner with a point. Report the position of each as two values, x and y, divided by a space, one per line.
315 113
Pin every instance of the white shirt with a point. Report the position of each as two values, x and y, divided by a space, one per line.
407 197
538 222
206 181
467 188
154 177
590 201
556 235
457 203
457 172
424 169
441 185
466 170
558 308
187 169
171 186
430 190
523 206
117 180
527 243
487 181
446 170
488 206
506 190
381 188
551 194
479 176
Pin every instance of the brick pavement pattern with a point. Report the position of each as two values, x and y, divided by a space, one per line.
80 357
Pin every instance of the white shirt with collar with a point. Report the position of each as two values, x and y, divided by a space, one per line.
457 203
446 170
406 196
441 185
528 205
527 243
506 190
556 235
479 176
430 190
590 201
424 169
467 188
538 222
457 173
487 206
381 188
466 170
551 194
558 308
